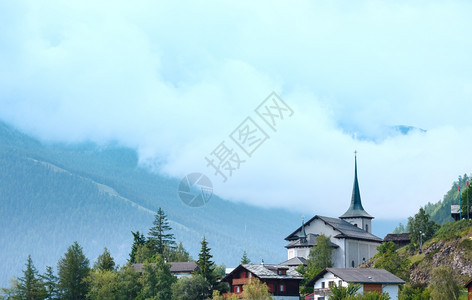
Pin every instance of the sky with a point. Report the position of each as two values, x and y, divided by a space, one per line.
174 80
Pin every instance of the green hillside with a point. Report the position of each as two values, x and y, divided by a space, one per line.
441 211
53 195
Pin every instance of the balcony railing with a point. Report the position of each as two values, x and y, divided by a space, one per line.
321 292
240 281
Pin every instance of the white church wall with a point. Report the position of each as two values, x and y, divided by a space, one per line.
359 252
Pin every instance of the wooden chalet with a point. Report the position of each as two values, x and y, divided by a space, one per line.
283 281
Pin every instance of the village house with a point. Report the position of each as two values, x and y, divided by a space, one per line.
283 281
370 280
178 269
351 234
400 239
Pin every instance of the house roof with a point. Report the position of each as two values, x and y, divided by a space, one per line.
356 210
346 229
294 261
397 237
175 267
360 276
468 284
308 241
266 271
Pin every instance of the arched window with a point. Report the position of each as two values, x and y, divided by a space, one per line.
352 264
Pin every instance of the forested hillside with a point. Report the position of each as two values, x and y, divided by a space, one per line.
441 211
53 195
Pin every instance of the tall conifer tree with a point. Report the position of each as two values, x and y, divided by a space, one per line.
159 234
73 268
205 264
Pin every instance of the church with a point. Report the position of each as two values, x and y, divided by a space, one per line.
351 235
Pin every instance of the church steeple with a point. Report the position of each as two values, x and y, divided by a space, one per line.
355 209
302 235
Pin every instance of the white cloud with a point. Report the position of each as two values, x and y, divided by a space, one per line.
174 79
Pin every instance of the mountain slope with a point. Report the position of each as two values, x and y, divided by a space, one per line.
52 195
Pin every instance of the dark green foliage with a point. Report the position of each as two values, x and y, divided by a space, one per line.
444 284
50 282
105 262
144 254
205 263
453 230
191 288
390 260
138 241
30 285
466 200
159 234
245 259
421 224
130 286
372 296
103 284
73 268
342 293
176 254
417 292
441 211
319 258
156 280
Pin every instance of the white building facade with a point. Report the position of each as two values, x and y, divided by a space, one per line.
351 234
373 280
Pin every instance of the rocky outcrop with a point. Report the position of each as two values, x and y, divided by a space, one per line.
456 253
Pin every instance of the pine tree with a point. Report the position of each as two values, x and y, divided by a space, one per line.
156 280
139 240
245 260
205 264
179 254
50 282
104 262
30 285
73 268
159 234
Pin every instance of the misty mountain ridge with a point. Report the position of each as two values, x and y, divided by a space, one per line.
53 195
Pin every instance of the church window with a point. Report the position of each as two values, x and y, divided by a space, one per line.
352 263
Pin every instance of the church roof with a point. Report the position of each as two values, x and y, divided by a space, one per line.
309 241
355 209
346 229
294 262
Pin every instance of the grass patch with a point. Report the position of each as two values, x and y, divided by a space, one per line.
416 259
453 230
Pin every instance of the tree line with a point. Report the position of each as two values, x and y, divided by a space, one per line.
76 279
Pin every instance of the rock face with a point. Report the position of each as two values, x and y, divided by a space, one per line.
456 253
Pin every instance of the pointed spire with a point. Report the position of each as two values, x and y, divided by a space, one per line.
302 235
356 209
